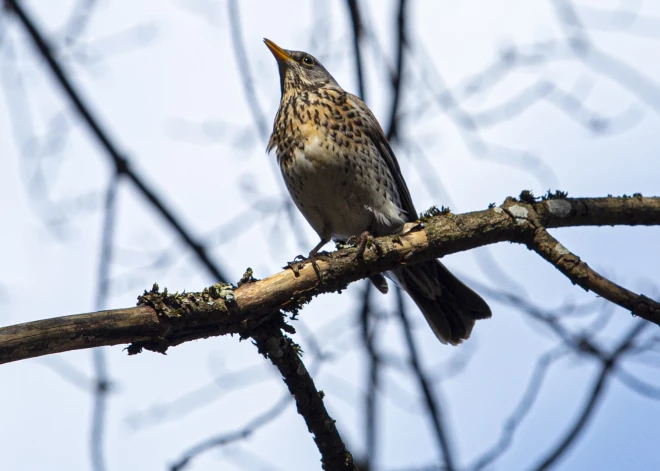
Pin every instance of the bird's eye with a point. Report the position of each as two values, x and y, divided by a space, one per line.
308 61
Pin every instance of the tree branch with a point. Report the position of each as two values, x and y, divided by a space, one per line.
163 320
285 355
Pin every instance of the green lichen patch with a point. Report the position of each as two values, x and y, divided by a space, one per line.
557 194
432 212
527 196
294 305
183 304
247 277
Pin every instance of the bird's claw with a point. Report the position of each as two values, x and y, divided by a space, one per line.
300 260
365 239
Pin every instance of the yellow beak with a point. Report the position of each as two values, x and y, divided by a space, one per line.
279 53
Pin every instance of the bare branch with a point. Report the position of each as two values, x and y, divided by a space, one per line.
285 355
180 318
582 275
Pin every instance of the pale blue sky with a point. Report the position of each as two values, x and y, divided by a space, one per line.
162 78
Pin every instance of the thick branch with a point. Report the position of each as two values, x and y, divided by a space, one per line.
193 316
582 275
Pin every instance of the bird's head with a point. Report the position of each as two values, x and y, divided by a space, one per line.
300 71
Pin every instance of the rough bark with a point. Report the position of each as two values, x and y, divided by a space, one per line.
163 320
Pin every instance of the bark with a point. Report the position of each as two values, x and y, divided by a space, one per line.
163 320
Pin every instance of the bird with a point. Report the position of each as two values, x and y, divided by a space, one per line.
343 176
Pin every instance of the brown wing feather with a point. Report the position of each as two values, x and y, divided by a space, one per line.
375 132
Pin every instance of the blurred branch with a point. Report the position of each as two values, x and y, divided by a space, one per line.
369 324
358 31
640 387
162 320
580 44
515 419
244 68
79 20
102 383
608 363
231 437
397 79
122 165
431 400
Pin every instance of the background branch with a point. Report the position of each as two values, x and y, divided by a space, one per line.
121 163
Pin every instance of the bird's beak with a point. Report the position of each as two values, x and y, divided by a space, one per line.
280 54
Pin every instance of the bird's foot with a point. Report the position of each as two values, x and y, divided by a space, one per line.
300 260
295 265
365 240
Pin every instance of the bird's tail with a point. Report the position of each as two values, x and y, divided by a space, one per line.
450 307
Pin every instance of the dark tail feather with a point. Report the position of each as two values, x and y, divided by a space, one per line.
450 307
380 282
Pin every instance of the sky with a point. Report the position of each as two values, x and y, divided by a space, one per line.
162 78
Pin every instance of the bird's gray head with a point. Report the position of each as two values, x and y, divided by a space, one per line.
300 71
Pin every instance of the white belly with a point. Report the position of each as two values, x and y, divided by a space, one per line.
342 194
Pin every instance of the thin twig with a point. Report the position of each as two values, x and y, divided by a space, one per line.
358 34
392 130
244 68
431 400
371 397
231 437
121 163
102 386
607 366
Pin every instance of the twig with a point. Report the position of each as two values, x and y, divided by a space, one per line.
607 365
371 397
582 275
231 437
397 81
122 164
241 59
430 399
522 409
102 385
358 31
285 355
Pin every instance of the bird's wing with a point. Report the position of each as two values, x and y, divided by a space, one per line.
375 132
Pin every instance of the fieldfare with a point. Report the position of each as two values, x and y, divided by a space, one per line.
344 178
